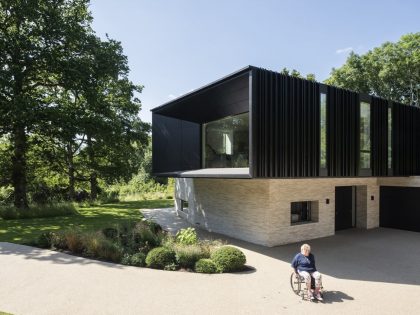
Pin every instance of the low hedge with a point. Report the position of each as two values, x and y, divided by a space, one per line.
138 259
160 257
205 265
228 259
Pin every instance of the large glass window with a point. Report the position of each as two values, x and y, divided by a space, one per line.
390 137
364 135
323 130
226 142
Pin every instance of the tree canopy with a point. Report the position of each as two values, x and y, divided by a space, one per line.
66 103
391 71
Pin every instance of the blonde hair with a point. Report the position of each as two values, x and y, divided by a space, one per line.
305 247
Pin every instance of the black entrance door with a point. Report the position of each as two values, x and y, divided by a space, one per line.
343 207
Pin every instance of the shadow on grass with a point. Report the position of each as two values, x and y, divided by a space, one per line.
96 217
139 204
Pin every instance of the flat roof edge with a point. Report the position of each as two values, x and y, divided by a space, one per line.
204 87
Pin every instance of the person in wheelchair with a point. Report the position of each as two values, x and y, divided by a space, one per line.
304 265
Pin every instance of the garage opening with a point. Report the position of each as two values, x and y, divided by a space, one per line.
399 208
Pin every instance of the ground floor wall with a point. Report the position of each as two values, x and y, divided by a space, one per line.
259 210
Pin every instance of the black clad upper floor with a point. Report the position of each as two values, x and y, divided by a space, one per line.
257 123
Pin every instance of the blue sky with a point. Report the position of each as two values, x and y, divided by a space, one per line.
174 47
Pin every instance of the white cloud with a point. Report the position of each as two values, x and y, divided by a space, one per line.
171 96
343 50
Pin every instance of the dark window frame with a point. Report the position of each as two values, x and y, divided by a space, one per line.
323 170
365 98
184 205
302 209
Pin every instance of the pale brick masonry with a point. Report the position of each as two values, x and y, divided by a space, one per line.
259 210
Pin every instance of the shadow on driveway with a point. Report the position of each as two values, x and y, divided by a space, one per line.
380 255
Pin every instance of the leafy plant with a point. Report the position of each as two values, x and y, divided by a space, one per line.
171 267
44 240
126 259
187 236
138 259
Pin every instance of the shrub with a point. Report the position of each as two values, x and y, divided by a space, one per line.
109 196
126 259
37 211
187 236
74 241
171 267
44 240
154 227
148 237
110 233
209 246
92 243
6 195
97 246
205 265
188 255
228 258
138 259
160 257
110 251
51 240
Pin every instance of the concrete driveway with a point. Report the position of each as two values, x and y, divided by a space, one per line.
365 272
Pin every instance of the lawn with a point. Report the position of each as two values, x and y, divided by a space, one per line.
89 218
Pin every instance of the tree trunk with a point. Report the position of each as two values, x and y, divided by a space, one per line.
70 172
19 167
93 177
93 186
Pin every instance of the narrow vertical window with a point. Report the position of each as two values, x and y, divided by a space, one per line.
364 135
389 137
323 131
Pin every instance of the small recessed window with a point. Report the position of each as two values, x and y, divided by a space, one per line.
304 211
184 205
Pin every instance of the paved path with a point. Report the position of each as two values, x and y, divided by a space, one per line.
365 272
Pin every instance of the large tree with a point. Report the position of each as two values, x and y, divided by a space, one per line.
390 71
65 91
38 38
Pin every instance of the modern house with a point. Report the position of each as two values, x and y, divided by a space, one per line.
273 159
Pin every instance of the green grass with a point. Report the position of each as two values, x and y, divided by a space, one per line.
95 217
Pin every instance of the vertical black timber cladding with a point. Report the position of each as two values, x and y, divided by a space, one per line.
405 136
416 141
287 126
379 136
343 110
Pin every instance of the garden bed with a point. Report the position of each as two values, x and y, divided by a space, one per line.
143 243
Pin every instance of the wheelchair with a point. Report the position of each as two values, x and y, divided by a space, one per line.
298 285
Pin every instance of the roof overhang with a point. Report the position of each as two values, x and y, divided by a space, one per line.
202 105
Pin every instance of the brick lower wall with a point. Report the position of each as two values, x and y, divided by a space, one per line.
258 210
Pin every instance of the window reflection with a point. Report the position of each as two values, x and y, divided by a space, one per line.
226 142
323 126
364 135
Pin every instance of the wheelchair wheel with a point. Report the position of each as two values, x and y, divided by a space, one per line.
295 283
